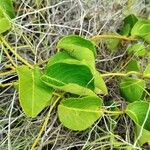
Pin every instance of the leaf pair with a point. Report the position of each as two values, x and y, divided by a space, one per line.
6 11
69 75
74 113
73 70
128 24
132 90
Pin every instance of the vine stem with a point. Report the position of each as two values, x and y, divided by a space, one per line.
103 75
9 57
3 41
7 73
121 74
44 124
7 84
110 36
113 112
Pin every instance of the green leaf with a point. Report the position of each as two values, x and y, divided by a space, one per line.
4 22
83 50
139 112
132 89
34 95
7 6
138 50
72 43
125 30
133 66
100 87
80 113
58 58
142 29
129 22
79 48
147 71
4 25
147 38
71 76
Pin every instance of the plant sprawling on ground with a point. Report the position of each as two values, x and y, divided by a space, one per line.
71 82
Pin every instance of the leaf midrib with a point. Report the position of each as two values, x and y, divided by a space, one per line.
33 92
131 84
83 110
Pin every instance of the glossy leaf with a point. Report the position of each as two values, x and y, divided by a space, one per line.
80 113
79 48
84 50
100 87
142 29
138 50
7 6
129 22
71 76
34 95
139 112
132 89
72 43
59 57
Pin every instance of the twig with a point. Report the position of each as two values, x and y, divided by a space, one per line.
7 73
122 74
8 56
110 36
7 84
13 51
44 124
